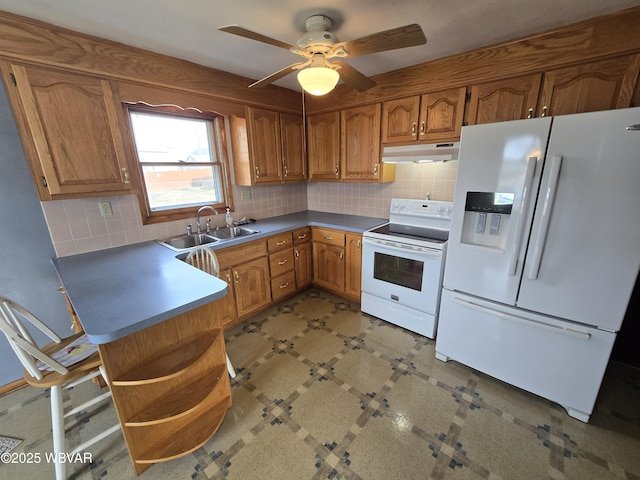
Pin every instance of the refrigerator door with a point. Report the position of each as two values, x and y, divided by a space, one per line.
500 166
557 360
584 252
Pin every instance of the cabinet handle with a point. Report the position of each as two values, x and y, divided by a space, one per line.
530 113
544 111
341 255
337 170
228 278
422 128
297 255
282 262
44 181
279 244
125 175
284 285
358 245
300 237
413 129
375 169
286 171
328 237
235 274
257 172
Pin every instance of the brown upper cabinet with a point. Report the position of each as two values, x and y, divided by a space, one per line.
503 100
360 146
267 147
431 117
70 128
590 87
323 146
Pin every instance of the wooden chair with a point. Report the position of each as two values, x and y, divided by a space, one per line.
44 371
205 259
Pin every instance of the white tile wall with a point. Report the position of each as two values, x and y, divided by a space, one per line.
76 226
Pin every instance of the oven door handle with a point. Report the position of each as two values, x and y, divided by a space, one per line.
398 247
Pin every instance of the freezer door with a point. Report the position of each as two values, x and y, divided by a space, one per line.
584 251
500 163
557 360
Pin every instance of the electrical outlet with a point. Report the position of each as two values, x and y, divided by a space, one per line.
245 194
105 209
370 191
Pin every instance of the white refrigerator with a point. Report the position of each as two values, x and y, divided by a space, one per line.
543 252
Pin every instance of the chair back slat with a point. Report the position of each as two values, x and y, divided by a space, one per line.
21 340
204 259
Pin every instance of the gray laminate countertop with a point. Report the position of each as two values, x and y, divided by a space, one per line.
122 290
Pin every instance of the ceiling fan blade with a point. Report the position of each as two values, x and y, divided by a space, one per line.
243 32
400 37
353 77
277 75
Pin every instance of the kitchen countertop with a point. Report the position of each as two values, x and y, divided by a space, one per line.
122 290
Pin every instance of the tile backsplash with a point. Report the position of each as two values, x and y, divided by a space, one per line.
77 226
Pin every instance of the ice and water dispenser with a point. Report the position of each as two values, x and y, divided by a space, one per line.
486 219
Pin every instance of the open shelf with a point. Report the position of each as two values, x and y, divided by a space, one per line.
169 364
180 403
187 438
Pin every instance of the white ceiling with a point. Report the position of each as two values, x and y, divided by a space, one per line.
188 28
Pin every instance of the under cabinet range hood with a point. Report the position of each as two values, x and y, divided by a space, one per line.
421 153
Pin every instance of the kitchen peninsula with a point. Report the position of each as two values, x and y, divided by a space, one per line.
158 323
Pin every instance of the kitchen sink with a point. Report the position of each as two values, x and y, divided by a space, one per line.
233 232
184 241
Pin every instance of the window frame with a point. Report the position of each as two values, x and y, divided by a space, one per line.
217 125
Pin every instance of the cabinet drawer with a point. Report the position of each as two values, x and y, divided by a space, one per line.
301 235
281 262
326 235
283 285
280 242
230 257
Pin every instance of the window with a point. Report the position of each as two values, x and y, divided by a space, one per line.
182 161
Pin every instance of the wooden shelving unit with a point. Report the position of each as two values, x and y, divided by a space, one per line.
170 384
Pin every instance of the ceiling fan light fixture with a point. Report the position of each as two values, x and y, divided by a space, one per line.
318 80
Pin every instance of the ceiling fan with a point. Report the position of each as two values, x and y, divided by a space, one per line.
318 46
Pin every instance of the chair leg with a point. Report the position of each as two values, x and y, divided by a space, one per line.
232 372
57 427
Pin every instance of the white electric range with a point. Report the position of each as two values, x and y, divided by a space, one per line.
403 263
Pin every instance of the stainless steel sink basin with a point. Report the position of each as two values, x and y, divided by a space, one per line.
184 241
233 232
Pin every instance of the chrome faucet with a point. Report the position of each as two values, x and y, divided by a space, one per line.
206 207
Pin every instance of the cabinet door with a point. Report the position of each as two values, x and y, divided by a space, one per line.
294 166
360 143
400 120
504 100
264 143
353 272
441 115
328 266
252 286
231 314
73 128
595 86
323 146
303 264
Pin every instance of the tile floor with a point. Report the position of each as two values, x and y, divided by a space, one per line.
326 392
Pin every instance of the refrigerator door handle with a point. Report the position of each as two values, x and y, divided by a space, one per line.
547 207
523 321
521 219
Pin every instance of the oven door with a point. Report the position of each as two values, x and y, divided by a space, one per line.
407 274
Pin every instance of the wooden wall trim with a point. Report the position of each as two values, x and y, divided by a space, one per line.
28 40
600 37
10 387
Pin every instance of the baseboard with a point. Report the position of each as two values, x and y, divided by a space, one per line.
10 387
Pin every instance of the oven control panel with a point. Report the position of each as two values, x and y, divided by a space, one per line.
422 208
